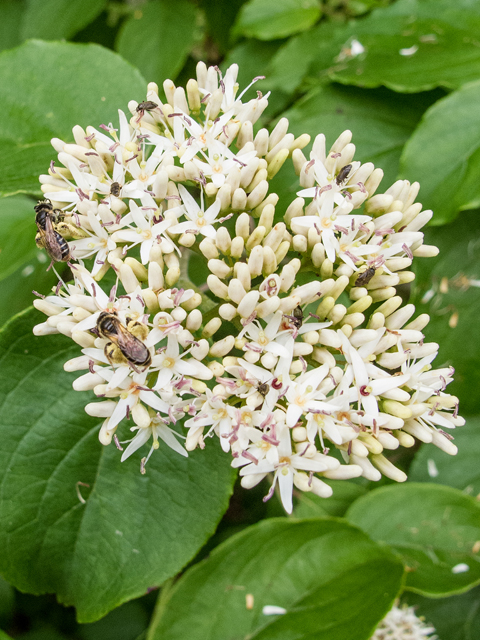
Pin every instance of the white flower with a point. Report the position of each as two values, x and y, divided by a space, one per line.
157 429
170 363
220 161
401 623
99 242
288 464
149 230
368 388
200 221
264 339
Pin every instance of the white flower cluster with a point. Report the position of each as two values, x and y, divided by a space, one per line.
297 347
401 623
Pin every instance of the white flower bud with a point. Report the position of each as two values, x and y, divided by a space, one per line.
248 304
256 196
368 470
194 320
227 311
269 360
343 472
250 481
179 314
208 249
217 287
321 488
236 290
443 443
102 409
268 306
255 261
387 440
219 268
388 469
105 434
66 328
87 382
222 347
200 350
140 415
211 327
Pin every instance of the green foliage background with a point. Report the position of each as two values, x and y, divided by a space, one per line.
411 99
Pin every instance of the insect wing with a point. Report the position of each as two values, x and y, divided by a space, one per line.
131 347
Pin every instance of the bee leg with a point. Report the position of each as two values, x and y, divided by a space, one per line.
138 329
39 241
113 354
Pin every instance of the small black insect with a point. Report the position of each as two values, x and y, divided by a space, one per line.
343 174
365 277
149 105
263 388
297 317
115 189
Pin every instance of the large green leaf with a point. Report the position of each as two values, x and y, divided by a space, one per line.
434 528
45 89
380 120
333 581
73 519
454 618
344 493
461 471
55 19
446 287
159 38
16 289
17 233
444 154
270 19
3 636
11 13
443 36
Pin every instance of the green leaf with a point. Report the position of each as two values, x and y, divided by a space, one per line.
73 519
16 289
3 636
434 528
7 602
381 122
45 89
443 36
11 13
17 233
445 158
56 19
220 16
454 618
446 287
158 38
334 582
344 493
270 19
461 471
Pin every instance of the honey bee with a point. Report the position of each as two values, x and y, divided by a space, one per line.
48 237
149 105
115 189
125 342
343 174
365 277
